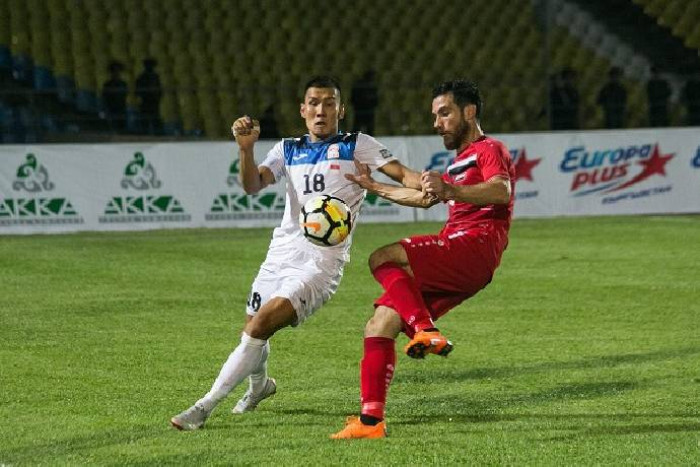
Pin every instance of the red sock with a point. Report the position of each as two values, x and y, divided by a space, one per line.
405 295
376 372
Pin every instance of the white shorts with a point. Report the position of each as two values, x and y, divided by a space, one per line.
299 273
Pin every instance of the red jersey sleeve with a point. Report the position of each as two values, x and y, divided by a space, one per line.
493 161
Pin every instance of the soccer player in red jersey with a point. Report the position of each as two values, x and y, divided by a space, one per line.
425 276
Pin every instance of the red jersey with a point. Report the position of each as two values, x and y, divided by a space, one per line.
482 160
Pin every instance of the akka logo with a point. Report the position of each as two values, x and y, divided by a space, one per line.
373 200
141 175
523 171
33 178
614 169
375 205
240 206
233 171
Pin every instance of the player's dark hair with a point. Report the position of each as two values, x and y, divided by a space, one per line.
464 92
322 82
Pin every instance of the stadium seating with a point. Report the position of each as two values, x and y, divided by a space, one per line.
219 59
682 17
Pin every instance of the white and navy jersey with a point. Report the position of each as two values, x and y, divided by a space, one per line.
319 168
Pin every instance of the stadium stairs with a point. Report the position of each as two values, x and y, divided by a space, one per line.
651 39
622 33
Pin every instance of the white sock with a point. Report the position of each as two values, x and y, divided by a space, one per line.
240 364
258 377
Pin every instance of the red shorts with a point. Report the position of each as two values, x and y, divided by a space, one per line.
449 269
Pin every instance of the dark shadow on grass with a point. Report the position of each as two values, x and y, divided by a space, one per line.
574 391
607 361
486 409
562 417
51 451
312 411
640 429
77 444
463 415
256 423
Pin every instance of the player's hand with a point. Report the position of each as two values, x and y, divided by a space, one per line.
246 131
362 176
433 184
429 197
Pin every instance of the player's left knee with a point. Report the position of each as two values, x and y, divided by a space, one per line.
393 253
275 315
374 260
381 256
259 329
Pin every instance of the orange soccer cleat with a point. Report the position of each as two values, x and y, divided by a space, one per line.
425 342
355 429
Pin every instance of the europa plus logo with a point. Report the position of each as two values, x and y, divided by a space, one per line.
696 160
523 165
612 169
440 161
523 171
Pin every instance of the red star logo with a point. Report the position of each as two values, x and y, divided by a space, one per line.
656 164
523 167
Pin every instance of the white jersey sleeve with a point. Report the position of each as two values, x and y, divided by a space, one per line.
274 160
371 152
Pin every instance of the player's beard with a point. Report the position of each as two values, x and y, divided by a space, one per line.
454 140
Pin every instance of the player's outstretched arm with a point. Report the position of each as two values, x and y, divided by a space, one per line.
402 174
496 190
253 178
398 194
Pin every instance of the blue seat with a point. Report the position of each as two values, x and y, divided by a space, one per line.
43 79
65 89
86 101
22 68
5 59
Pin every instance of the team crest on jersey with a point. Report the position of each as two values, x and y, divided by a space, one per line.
333 152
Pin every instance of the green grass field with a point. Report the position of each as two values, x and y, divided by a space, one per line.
585 349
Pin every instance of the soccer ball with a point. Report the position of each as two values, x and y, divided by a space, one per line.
325 220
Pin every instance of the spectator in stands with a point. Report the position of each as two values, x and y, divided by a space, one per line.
268 124
365 99
691 97
148 91
564 101
613 99
114 94
658 93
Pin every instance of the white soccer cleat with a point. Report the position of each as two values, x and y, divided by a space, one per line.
250 401
191 419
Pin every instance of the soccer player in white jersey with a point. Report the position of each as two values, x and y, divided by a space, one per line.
297 277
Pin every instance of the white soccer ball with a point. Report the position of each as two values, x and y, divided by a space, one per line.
325 220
